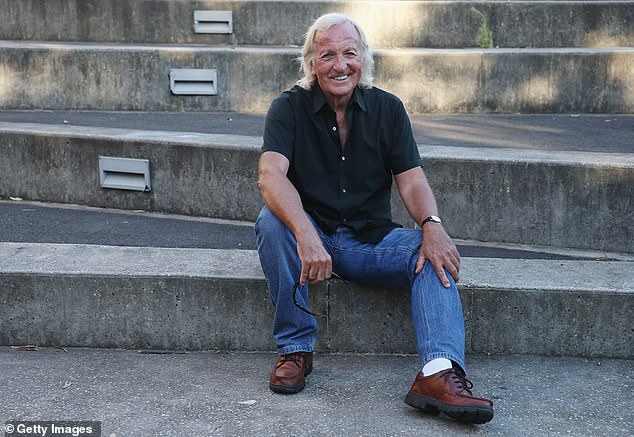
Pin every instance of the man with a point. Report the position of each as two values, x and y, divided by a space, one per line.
331 147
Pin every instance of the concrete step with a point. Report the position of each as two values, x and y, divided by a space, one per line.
226 394
608 133
388 23
550 198
76 76
192 299
38 222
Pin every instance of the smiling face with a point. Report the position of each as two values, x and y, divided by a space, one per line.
337 62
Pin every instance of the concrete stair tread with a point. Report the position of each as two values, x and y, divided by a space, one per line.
608 133
48 225
574 276
218 393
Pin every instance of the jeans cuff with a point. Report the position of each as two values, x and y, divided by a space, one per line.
292 349
458 360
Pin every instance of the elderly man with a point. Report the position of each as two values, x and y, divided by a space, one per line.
331 146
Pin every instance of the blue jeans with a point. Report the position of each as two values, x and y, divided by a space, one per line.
436 310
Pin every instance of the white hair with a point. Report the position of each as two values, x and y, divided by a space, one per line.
322 24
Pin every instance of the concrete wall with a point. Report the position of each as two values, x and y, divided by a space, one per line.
122 78
388 24
539 198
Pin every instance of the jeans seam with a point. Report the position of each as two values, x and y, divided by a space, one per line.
422 304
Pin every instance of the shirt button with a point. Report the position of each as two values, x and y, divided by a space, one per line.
345 220
334 128
343 158
343 190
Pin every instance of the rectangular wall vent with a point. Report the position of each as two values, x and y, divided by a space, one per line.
193 82
124 173
213 22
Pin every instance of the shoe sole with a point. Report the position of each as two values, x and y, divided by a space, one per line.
290 389
458 412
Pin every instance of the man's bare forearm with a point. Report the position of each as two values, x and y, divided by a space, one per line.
283 200
417 195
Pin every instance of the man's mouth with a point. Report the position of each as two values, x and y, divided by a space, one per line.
341 78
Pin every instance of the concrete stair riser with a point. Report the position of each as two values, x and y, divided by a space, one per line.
136 306
195 180
120 78
131 78
482 198
388 24
551 204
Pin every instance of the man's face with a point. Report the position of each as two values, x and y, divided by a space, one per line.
337 63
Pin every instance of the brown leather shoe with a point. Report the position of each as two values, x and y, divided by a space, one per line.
449 392
289 372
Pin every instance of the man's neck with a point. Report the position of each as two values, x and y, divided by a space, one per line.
338 103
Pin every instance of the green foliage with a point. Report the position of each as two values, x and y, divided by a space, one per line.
484 37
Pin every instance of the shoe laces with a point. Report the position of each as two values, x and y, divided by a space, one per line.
296 358
461 381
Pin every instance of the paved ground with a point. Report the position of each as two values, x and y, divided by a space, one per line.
226 394
549 132
32 222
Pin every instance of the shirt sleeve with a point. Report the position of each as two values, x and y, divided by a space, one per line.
279 128
404 154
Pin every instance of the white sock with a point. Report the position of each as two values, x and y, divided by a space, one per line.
436 365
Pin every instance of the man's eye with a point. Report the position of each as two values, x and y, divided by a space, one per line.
327 57
351 54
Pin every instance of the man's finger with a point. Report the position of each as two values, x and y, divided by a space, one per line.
328 272
453 271
420 263
452 265
304 274
320 272
442 276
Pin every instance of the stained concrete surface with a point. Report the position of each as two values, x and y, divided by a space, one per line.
226 394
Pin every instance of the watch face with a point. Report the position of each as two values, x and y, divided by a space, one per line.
432 218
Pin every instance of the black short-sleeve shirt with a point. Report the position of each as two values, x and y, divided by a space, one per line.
348 185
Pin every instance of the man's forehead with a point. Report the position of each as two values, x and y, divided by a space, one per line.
340 34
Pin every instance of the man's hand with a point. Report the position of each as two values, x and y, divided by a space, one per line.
438 248
316 262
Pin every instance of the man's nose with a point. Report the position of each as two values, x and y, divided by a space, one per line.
340 63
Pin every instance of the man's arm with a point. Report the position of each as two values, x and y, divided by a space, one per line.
283 200
437 246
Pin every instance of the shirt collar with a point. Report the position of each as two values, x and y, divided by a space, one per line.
319 100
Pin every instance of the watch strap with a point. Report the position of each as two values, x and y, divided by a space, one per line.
431 218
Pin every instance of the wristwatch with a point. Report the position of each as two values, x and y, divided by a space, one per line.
431 218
